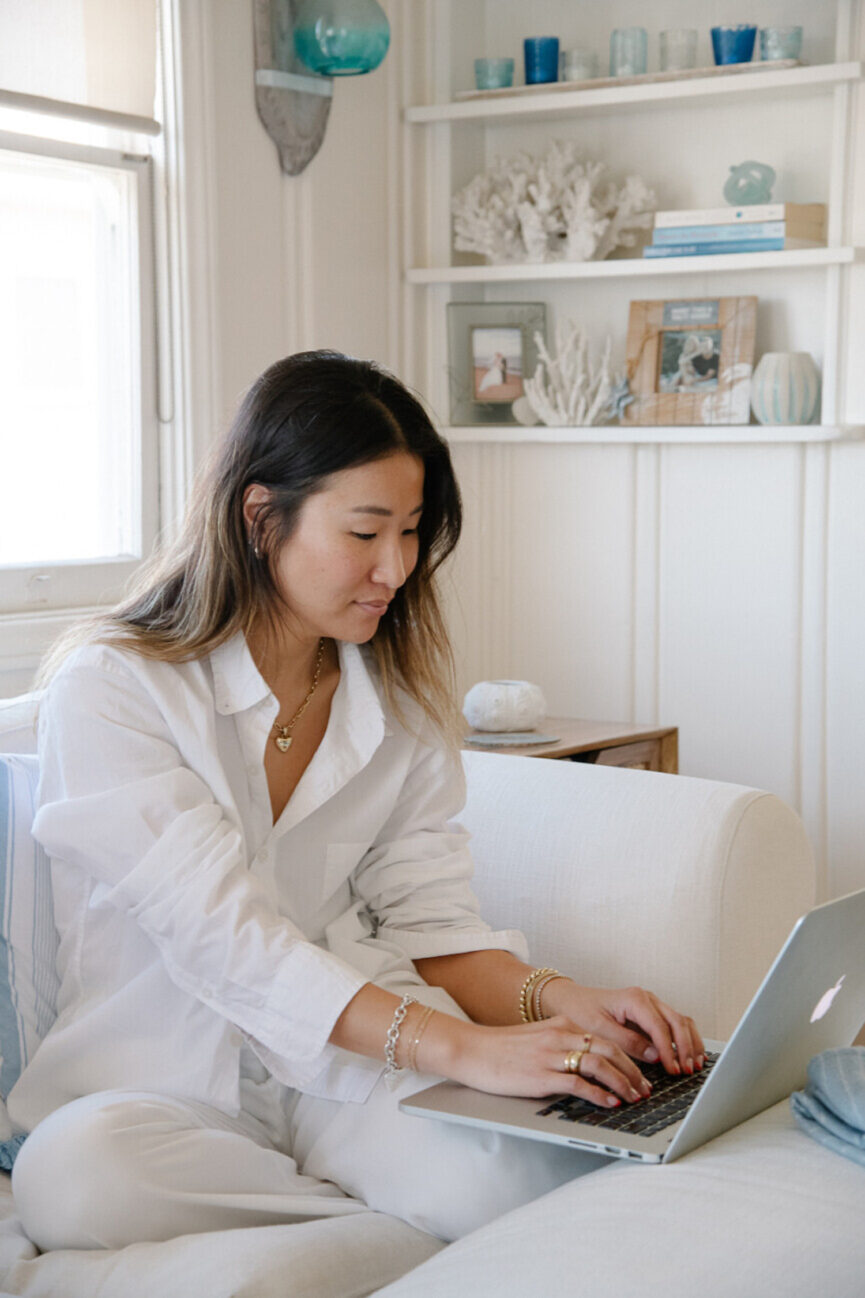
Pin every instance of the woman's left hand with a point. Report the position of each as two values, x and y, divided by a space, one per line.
635 1019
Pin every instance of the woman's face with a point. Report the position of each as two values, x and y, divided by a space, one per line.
354 545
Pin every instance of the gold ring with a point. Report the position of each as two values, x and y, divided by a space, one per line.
572 1061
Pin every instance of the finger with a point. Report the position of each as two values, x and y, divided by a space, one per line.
690 1049
634 1043
630 1081
644 1011
572 1084
619 1076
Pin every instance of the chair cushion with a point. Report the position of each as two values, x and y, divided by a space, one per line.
28 938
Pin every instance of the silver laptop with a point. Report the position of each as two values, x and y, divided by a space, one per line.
812 999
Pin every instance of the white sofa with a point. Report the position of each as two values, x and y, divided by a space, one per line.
688 886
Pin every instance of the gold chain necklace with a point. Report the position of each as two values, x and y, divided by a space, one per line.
283 736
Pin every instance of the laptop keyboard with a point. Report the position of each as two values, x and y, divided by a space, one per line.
670 1100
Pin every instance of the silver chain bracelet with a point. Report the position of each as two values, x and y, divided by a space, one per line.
392 1070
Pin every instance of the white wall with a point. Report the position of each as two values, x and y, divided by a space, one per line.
715 588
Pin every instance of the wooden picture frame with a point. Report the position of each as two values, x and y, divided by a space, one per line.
690 360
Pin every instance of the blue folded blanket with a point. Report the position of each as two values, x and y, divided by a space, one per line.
832 1106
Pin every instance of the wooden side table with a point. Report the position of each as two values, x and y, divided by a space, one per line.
606 743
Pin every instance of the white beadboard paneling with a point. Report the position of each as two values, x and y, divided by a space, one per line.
730 576
845 679
645 662
482 576
546 572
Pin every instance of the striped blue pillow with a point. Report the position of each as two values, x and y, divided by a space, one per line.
28 938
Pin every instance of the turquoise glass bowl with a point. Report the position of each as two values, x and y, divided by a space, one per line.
341 38
494 74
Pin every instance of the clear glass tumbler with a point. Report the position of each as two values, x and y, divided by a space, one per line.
578 65
629 51
678 49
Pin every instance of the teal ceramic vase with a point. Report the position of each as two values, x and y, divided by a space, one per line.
785 388
341 38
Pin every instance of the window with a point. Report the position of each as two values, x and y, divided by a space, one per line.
78 426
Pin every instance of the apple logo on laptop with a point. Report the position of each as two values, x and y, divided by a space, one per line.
823 1005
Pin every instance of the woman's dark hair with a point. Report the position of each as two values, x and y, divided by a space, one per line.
307 417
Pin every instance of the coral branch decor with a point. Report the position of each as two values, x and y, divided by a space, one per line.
570 389
561 207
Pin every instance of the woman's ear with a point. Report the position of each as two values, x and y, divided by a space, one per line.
255 498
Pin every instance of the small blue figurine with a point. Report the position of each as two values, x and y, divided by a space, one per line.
750 182
620 396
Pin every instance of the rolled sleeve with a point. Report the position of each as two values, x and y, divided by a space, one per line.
416 878
118 803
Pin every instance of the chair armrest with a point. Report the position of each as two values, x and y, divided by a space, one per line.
686 886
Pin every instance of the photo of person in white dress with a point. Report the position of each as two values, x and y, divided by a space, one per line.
497 364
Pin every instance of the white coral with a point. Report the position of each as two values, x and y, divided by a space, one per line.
554 208
570 390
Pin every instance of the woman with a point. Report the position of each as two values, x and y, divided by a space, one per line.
260 895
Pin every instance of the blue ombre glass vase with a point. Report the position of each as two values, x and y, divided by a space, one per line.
341 38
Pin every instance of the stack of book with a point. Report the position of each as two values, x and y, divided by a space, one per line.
767 227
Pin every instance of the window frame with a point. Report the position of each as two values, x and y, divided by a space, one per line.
33 588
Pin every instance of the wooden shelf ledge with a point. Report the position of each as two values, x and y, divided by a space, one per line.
625 434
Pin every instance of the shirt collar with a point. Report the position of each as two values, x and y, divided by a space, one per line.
238 685
237 682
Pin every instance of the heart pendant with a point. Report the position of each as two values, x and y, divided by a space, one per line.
283 743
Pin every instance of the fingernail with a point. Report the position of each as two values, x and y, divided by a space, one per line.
689 1065
635 1094
676 1068
647 1087
613 1100
700 1061
651 1055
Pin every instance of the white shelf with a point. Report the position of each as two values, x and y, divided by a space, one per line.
633 266
563 102
625 434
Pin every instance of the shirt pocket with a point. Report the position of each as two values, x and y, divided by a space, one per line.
340 861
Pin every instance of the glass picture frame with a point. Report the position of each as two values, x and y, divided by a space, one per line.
492 350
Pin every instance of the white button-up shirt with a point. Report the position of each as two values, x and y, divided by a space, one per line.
189 922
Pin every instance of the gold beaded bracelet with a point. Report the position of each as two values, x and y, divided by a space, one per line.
526 1012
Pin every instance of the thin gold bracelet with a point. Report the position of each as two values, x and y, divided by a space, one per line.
541 983
411 1062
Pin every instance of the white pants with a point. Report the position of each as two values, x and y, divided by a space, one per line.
126 1166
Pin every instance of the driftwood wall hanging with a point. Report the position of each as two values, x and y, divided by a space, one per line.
293 94
294 114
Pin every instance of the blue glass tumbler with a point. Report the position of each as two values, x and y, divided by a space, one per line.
733 44
541 55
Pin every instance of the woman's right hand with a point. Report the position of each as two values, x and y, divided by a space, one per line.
529 1059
